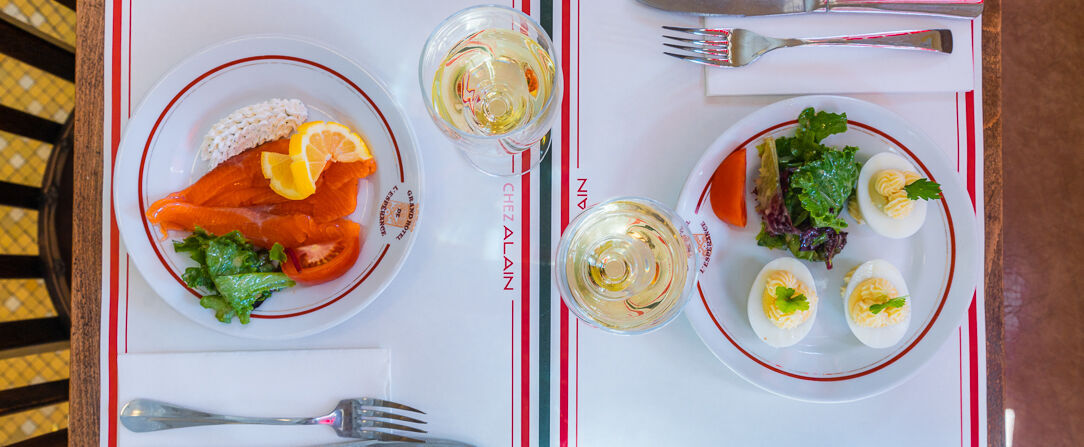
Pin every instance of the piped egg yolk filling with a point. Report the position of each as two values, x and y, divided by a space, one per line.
893 200
876 291
783 278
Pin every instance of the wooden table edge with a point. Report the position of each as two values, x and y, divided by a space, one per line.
84 409
992 196
84 403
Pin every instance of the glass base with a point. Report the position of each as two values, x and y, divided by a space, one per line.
500 162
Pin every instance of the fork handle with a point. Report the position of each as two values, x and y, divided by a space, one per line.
144 415
944 8
933 40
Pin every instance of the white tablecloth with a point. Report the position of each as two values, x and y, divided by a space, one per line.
479 343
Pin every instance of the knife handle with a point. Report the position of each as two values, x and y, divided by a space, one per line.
945 8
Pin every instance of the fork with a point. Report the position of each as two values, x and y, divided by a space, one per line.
350 419
735 47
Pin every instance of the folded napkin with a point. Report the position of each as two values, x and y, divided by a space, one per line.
251 383
827 69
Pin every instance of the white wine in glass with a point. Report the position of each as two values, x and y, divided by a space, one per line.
489 77
626 265
493 82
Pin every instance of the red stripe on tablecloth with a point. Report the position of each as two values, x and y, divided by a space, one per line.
525 291
577 91
129 86
972 48
577 433
127 281
114 248
972 340
972 317
566 21
960 347
969 104
957 131
512 368
525 306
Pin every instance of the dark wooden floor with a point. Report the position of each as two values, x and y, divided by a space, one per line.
1043 141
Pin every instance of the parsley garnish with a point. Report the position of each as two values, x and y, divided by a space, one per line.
894 302
787 302
923 189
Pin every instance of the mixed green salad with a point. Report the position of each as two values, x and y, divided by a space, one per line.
803 186
236 276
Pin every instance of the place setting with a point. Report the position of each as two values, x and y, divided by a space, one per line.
293 208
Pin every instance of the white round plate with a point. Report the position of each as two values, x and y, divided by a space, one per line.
158 155
940 263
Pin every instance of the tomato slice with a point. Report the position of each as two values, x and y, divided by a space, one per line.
322 262
728 189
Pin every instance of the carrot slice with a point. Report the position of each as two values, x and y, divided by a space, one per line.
728 189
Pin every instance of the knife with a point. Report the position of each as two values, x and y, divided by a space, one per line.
430 442
773 7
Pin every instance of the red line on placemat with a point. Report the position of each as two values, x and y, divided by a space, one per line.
114 249
577 89
972 49
972 318
972 341
127 281
525 290
129 84
958 132
566 21
525 307
960 345
969 107
577 435
512 381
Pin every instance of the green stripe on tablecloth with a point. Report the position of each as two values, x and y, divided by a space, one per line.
545 214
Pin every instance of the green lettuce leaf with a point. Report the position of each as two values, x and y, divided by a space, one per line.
824 185
816 126
223 311
243 292
238 275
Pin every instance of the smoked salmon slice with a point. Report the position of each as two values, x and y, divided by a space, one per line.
235 196
263 229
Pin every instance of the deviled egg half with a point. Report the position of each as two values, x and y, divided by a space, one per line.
877 303
885 199
783 302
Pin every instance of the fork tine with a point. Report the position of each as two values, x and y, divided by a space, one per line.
708 42
389 425
708 51
702 60
699 31
370 402
387 415
381 436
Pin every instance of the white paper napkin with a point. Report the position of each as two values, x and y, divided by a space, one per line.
824 69
250 383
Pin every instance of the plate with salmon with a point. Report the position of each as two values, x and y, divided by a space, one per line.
268 188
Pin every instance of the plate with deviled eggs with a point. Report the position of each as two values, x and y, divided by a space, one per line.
840 249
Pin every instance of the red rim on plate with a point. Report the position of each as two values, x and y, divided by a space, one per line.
880 364
359 278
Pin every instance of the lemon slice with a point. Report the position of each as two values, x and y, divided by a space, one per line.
328 141
278 168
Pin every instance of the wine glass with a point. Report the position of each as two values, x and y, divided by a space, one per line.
626 265
491 83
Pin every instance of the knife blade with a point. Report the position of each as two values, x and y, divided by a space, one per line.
774 7
428 442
